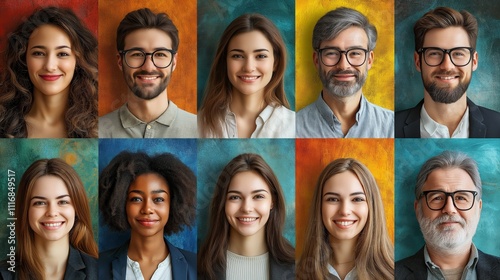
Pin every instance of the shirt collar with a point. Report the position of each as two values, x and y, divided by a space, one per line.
264 115
435 129
130 120
471 264
328 114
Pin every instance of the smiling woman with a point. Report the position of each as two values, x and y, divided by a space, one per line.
50 87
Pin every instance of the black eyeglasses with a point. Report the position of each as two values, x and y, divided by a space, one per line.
460 56
462 200
331 56
135 58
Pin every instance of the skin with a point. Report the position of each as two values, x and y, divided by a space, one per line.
446 75
345 108
151 81
51 216
450 180
250 66
248 205
148 208
51 65
344 212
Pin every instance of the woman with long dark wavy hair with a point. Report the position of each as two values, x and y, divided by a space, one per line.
247 216
49 86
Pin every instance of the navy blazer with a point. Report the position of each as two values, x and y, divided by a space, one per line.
414 268
483 122
80 266
113 263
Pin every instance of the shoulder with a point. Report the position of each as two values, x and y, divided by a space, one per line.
380 111
282 270
5 272
182 259
81 264
411 267
488 261
107 264
109 122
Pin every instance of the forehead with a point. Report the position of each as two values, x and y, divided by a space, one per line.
49 35
252 40
449 179
148 39
343 183
248 181
446 38
149 182
49 186
351 37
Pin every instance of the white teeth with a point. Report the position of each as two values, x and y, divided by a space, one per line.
52 224
447 78
344 223
245 78
148 78
247 219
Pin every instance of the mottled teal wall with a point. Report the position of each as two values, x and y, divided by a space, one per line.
19 154
183 149
485 83
215 16
213 155
411 155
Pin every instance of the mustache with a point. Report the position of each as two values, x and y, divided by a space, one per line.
332 72
446 73
143 72
448 219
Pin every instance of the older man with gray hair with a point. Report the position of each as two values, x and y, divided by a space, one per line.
448 207
343 43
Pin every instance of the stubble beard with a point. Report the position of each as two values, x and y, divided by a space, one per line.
341 89
148 92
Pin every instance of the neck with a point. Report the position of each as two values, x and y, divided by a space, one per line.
450 259
344 108
49 108
53 256
446 114
343 251
147 110
247 106
248 246
147 248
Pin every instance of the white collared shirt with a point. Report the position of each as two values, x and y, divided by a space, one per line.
352 275
429 128
163 271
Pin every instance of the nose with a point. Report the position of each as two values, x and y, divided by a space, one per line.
148 64
343 63
345 208
449 207
52 210
249 65
247 206
50 63
146 207
446 64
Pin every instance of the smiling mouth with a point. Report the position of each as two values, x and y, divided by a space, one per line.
148 78
249 78
247 220
344 224
147 222
52 225
50 77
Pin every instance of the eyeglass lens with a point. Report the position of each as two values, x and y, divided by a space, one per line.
137 58
331 57
463 200
458 56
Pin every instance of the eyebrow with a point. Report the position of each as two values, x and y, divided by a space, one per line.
348 48
352 194
44 198
255 191
57 48
153 191
255 51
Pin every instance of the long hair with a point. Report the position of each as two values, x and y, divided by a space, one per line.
218 90
212 254
374 251
80 236
16 87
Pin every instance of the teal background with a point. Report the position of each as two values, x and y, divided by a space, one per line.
19 154
213 155
411 155
215 15
483 89
183 149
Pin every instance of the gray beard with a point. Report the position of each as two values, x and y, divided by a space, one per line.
341 89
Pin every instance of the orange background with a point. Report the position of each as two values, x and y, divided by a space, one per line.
182 87
312 155
379 86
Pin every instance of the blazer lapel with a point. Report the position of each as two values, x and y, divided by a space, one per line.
477 129
74 266
412 127
119 263
179 264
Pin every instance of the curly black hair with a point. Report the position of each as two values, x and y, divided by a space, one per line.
118 175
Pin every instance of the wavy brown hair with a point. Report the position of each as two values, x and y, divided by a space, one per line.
218 91
374 251
212 254
16 98
81 236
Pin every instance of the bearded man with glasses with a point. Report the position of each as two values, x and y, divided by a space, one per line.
445 56
343 42
448 207
147 56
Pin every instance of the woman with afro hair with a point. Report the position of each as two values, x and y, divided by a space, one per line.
153 196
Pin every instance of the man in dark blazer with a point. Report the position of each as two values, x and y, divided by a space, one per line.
448 207
445 56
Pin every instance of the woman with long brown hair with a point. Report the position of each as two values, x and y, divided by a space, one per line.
245 95
49 88
247 216
347 236
54 229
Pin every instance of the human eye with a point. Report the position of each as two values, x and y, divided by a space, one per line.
135 199
38 53
63 202
434 53
355 53
135 54
262 56
39 203
236 56
332 199
331 53
162 54
437 196
259 196
63 54
233 197
358 199
158 199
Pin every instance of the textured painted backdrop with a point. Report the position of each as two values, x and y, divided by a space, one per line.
19 154
313 155
214 16
184 150
379 87
112 86
13 13
213 155
483 89
411 155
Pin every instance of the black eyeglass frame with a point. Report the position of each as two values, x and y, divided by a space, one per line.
452 194
421 51
366 51
124 52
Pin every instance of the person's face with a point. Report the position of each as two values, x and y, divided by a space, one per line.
250 63
343 79
448 228
446 83
148 205
344 209
248 204
148 81
51 213
50 60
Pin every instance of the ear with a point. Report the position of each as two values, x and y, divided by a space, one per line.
474 61
370 60
174 62
416 58
120 61
316 59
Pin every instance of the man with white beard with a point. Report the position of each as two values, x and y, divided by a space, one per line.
448 207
